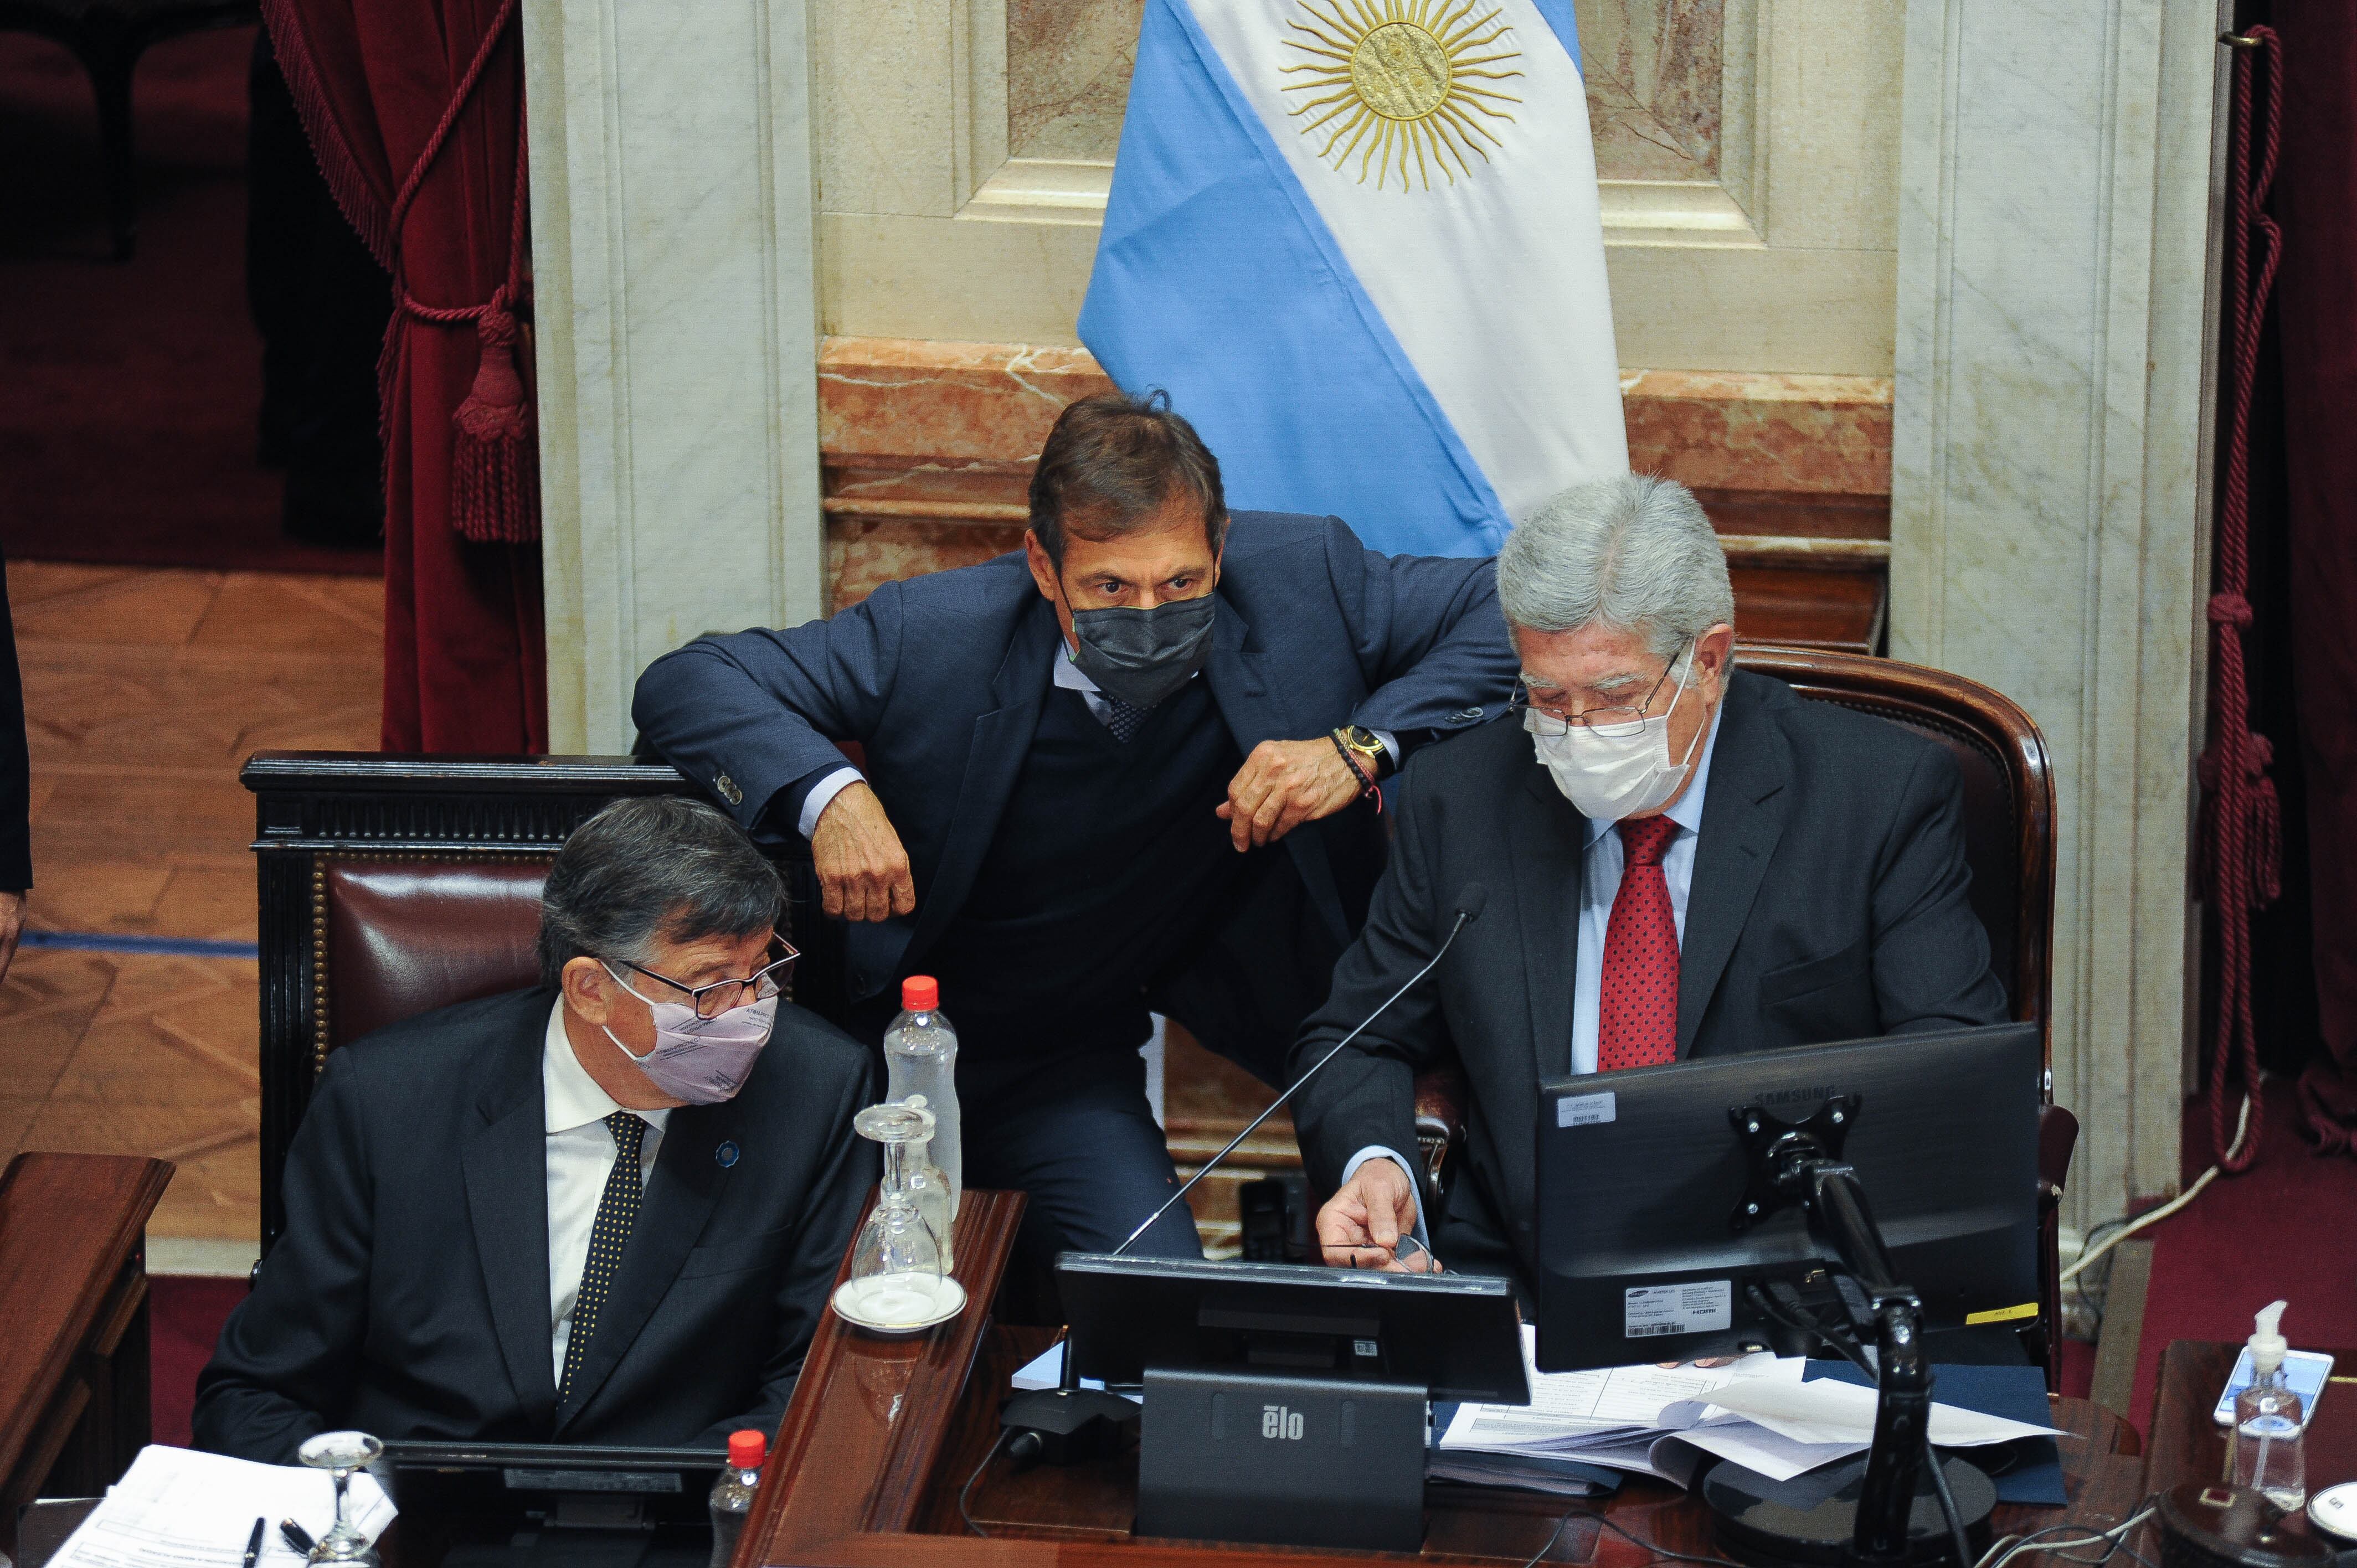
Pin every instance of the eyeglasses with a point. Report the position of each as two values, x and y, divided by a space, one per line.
1618 722
721 995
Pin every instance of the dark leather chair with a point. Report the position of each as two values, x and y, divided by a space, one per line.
391 886
2009 844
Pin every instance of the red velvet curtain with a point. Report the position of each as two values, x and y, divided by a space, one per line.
415 108
2316 203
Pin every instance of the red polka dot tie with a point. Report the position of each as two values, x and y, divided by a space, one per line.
1637 1015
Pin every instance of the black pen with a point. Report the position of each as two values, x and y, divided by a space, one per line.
295 1536
254 1542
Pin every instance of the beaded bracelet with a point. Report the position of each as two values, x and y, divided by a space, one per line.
1367 790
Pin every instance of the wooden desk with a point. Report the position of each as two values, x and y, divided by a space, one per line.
873 1463
2188 1444
74 1319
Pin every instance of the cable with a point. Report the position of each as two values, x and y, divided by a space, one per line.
2151 1217
1947 1502
1660 1553
966 1492
2113 1540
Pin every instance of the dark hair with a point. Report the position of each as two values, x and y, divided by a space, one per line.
1111 462
660 867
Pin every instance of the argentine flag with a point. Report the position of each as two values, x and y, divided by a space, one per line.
1358 243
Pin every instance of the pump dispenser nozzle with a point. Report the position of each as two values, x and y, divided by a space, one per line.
2267 1345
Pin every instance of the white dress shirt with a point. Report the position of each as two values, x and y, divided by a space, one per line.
1070 676
1600 883
580 1149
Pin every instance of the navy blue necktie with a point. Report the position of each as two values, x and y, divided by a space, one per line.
617 1210
1125 717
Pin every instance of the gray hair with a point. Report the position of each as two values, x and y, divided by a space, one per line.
1629 551
659 868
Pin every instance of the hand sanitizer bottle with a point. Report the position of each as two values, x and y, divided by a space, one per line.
2268 1422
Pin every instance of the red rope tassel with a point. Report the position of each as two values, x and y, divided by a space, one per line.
495 477
2240 854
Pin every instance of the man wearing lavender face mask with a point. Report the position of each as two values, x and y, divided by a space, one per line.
605 1209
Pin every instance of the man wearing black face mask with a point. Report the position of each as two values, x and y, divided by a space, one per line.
1079 765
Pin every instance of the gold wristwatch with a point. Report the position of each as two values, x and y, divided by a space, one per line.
1362 745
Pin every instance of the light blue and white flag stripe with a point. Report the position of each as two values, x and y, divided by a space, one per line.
1415 335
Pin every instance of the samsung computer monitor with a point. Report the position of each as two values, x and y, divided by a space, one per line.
1646 1251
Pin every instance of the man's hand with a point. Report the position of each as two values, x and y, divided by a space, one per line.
12 925
862 867
1283 784
1360 1226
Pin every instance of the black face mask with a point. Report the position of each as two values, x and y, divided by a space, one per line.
1144 656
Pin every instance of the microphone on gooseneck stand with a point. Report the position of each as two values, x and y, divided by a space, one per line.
1468 910
1068 1423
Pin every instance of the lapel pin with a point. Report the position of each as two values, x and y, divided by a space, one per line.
726 1152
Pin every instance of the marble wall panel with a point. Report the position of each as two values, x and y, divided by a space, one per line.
1652 69
1827 434
929 447
881 397
2046 508
864 554
1068 67
884 92
1833 70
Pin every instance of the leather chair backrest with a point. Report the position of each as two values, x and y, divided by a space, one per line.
402 935
2009 795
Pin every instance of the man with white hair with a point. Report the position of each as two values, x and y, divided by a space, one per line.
1681 859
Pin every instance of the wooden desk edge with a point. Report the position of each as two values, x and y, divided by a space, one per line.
810 1506
92 1311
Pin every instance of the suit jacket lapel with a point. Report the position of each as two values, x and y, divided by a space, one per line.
687 1182
1250 694
1002 739
1743 816
505 1166
1547 840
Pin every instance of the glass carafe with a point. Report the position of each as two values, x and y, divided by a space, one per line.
897 1270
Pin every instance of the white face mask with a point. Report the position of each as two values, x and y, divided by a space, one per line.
1607 778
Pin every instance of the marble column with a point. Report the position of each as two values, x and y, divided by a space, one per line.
2049 486
673 268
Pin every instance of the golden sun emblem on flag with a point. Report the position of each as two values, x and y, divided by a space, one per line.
1399 82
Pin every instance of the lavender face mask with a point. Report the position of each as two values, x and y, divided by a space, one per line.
701 1060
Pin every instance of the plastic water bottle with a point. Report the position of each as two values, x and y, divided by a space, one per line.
920 1057
2269 1425
732 1494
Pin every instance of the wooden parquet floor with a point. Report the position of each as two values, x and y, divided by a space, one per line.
143 692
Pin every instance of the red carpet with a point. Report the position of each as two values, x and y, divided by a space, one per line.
128 392
185 1318
2282 1229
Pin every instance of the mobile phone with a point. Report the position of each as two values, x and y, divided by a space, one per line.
2304 1370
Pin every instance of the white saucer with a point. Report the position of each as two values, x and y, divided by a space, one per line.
899 1306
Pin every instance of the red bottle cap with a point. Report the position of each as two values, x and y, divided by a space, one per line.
746 1449
920 994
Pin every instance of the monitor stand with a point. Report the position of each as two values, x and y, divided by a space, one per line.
1282 1459
1879 1508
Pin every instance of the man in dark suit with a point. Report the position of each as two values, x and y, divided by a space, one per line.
1680 860
606 1210
1076 762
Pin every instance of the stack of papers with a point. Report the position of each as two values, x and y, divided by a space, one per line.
1665 1421
176 1508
